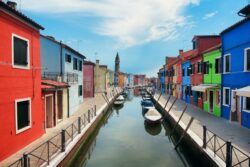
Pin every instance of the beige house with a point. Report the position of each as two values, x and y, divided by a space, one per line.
100 77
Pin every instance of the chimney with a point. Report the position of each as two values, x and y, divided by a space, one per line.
180 52
97 61
12 4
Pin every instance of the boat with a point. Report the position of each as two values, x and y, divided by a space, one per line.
153 116
146 97
119 100
147 104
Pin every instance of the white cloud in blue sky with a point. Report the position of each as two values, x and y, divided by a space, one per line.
210 15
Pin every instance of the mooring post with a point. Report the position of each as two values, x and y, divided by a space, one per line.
25 160
229 154
184 133
204 136
177 123
88 116
159 97
63 140
172 105
105 98
167 101
95 110
79 125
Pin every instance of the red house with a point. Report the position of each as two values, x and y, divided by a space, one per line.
22 117
200 44
88 79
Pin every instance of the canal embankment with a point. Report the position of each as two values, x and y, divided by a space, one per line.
59 142
223 143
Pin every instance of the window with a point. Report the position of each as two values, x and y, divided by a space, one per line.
206 67
75 63
195 45
183 72
68 58
199 94
23 115
226 96
192 69
188 71
80 65
226 63
20 52
217 66
199 70
80 90
217 97
247 103
247 59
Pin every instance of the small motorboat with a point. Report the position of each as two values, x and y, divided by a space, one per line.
147 104
153 116
119 101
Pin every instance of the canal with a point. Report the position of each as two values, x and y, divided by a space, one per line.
124 139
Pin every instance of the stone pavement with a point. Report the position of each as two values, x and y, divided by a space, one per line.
88 103
227 130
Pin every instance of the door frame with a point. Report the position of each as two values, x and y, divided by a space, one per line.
210 101
47 95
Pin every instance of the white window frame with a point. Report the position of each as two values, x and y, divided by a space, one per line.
245 60
30 116
224 99
244 105
224 64
200 67
28 52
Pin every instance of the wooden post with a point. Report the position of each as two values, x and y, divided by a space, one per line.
63 140
172 105
88 116
228 154
167 101
79 125
25 160
95 110
159 97
204 136
184 133
177 123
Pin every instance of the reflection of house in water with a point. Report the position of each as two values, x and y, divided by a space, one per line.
136 92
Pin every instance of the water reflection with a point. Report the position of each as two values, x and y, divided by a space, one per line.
152 129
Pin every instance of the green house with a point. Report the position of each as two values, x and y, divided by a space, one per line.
212 80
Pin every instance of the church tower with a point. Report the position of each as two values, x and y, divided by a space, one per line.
117 68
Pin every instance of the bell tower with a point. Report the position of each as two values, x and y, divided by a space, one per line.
117 68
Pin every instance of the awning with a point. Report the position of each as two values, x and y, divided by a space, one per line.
203 87
243 91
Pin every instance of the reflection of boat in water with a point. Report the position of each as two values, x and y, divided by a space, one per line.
152 129
119 101
152 116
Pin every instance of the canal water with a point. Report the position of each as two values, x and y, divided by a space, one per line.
123 139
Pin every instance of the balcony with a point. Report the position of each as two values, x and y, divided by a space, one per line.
69 78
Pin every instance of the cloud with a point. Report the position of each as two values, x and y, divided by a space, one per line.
210 15
130 22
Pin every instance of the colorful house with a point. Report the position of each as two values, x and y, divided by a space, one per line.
235 101
169 74
22 115
210 88
62 63
162 82
177 78
88 79
130 80
55 102
100 77
121 79
111 77
200 44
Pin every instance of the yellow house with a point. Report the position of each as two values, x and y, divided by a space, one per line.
100 77
121 79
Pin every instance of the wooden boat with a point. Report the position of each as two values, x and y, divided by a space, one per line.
153 116
119 101
147 104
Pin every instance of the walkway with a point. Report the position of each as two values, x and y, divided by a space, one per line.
88 103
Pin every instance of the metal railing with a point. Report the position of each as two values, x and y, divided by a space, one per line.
225 150
70 78
47 151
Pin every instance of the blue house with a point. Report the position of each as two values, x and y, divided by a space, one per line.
186 87
235 100
162 80
130 79
64 64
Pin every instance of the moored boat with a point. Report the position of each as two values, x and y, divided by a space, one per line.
119 101
153 116
147 104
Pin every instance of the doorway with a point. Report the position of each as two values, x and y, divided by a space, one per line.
211 101
59 105
49 111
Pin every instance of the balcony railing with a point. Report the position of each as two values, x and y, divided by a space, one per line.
70 78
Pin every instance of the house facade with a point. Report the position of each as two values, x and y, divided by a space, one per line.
22 116
177 78
100 78
130 80
88 79
63 64
162 81
235 101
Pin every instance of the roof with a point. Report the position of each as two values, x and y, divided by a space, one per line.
205 36
235 25
187 55
212 48
244 11
88 63
103 66
64 46
54 83
48 87
20 15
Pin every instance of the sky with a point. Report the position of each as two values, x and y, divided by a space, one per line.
144 32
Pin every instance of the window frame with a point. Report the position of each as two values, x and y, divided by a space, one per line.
199 64
74 58
80 93
67 58
224 64
30 116
244 104
80 65
28 52
229 98
245 60
219 66
206 67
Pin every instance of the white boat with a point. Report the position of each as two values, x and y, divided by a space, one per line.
119 101
153 116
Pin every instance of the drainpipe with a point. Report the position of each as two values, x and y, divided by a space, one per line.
61 58
68 100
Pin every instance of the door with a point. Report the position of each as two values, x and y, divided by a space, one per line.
49 110
59 105
233 106
211 101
